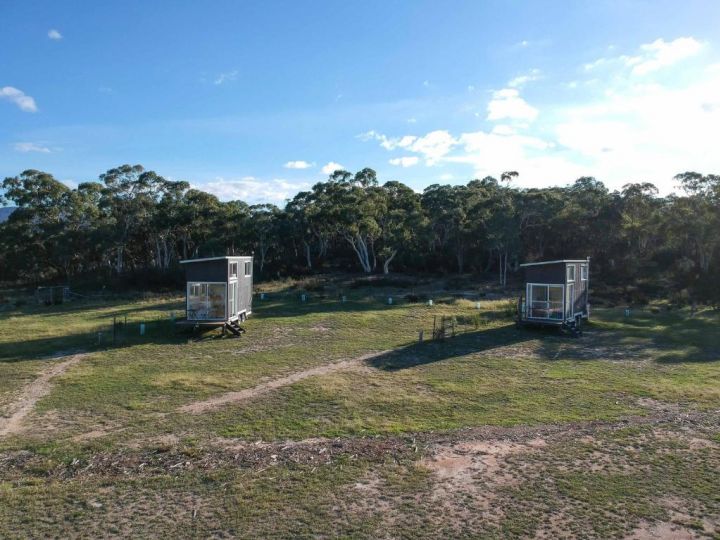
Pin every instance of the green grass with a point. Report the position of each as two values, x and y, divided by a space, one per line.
123 398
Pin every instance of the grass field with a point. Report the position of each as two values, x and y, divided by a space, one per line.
330 418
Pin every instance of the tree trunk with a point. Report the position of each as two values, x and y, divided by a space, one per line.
307 255
386 264
119 260
360 247
505 270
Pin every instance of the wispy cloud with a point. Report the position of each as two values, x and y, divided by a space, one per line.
19 98
226 77
332 167
405 161
432 146
54 34
522 80
299 164
30 147
253 190
660 54
651 56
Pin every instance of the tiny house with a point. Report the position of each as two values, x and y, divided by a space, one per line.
218 291
556 293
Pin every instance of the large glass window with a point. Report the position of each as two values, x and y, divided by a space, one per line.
546 301
206 301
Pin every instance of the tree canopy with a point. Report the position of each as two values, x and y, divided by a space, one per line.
132 219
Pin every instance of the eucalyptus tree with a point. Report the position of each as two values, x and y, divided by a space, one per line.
263 226
35 228
401 223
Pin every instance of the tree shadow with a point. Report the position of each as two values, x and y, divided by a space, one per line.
428 352
100 338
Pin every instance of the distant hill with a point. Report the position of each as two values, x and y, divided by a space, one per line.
5 212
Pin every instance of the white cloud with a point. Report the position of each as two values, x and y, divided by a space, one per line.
651 56
299 164
332 167
412 120
432 146
226 77
405 161
618 128
507 104
54 34
446 177
253 190
521 80
19 98
30 147
660 54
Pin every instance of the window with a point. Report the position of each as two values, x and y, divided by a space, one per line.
546 301
248 268
233 269
205 301
571 273
583 272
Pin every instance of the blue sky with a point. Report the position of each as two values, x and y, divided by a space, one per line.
258 100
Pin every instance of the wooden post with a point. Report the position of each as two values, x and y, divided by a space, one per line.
114 325
420 337
434 334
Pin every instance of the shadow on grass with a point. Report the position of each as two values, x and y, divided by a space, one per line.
419 354
101 338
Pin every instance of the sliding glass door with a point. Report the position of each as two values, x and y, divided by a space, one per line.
206 301
545 301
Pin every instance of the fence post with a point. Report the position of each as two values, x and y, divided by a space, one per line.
114 325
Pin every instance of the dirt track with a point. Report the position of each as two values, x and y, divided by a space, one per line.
17 410
198 407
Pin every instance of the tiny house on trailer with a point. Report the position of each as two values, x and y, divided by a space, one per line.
218 292
556 293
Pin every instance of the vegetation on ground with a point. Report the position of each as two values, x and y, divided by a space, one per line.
497 432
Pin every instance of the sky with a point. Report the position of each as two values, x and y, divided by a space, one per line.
259 100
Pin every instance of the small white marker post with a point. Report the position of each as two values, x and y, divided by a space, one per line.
343 299
303 298
477 305
262 296
430 302
390 300
142 328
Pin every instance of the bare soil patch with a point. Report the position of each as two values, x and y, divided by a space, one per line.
13 416
199 407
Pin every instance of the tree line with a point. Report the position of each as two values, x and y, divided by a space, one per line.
133 220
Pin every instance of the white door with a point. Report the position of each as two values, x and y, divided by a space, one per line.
570 301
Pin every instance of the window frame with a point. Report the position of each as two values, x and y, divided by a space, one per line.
556 307
583 272
567 273
230 271
248 268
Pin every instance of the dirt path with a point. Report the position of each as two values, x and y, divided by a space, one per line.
11 419
199 407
